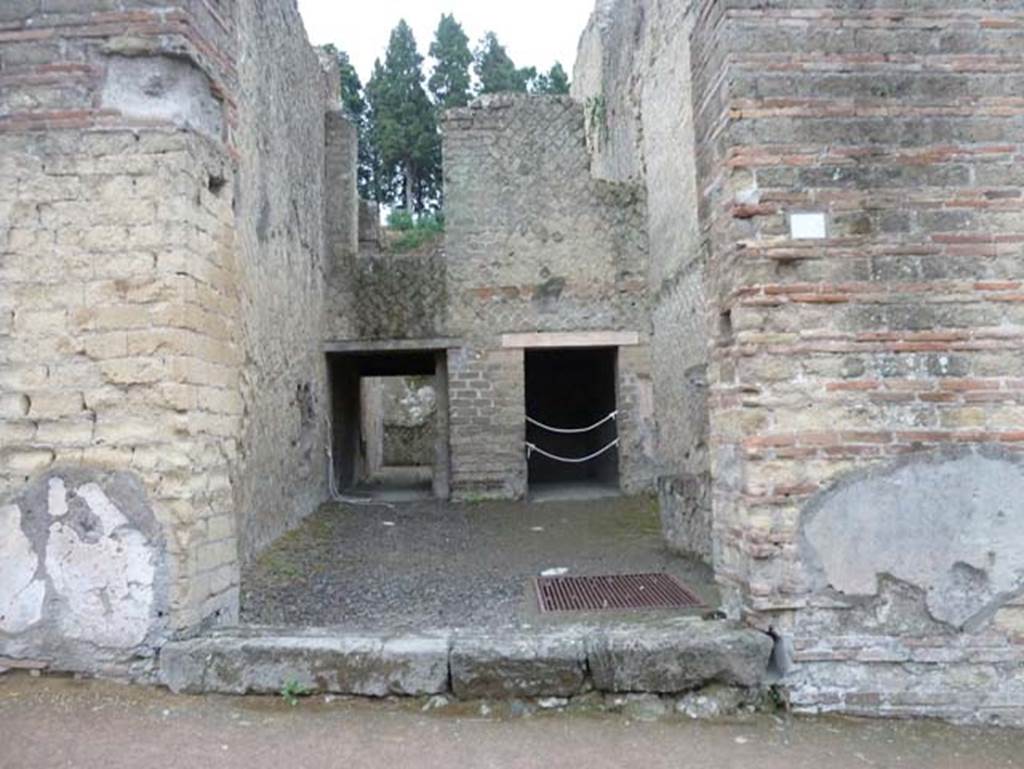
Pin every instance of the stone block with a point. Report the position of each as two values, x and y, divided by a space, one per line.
678 655
263 662
517 665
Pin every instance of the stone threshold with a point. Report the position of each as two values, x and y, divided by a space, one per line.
660 656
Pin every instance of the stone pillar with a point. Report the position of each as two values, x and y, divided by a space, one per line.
861 203
442 438
341 196
488 423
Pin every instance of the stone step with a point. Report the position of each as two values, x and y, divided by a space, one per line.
661 655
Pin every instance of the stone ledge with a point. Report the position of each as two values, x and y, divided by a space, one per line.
518 665
659 655
678 656
251 662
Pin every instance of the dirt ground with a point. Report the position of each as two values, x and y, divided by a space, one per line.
418 566
53 722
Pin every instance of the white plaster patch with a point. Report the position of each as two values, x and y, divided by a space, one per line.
21 595
57 498
107 585
952 527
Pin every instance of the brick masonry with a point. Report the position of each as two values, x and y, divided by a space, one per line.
152 252
835 422
536 244
863 421
878 347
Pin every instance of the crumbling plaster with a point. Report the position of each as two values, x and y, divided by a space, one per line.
83 571
950 524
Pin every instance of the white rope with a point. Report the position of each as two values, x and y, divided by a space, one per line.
530 448
576 431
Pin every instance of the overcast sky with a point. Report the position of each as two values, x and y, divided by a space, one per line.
536 32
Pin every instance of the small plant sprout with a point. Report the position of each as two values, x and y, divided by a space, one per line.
292 691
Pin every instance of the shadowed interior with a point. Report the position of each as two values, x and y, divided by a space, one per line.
571 388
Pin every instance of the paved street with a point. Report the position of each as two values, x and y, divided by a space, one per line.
64 723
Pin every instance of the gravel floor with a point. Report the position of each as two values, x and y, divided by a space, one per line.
430 565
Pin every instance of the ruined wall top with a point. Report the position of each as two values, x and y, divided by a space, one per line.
125 63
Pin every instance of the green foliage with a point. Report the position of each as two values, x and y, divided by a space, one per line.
352 101
450 82
292 691
401 220
403 129
496 70
595 112
556 81
399 141
414 233
356 109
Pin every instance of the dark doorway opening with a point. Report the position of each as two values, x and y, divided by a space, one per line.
364 386
571 389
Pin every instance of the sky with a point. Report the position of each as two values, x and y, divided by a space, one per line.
536 33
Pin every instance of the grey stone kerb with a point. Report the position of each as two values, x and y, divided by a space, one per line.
84 578
950 523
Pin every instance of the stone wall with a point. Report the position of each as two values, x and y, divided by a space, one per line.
281 186
864 406
409 421
151 256
534 244
866 403
633 76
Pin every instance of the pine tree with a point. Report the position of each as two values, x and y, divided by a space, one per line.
450 80
356 109
377 183
352 101
496 70
556 81
404 126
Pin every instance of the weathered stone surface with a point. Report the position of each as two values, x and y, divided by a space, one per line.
716 701
639 107
161 218
163 88
264 661
518 665
535 243
674 656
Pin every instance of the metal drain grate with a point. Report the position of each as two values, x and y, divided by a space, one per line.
614 592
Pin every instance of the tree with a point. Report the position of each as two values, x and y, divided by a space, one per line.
356 109
496 70
450 80
352 102
556 81
404 126
377 182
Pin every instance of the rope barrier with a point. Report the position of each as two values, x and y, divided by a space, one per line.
573 431
530 448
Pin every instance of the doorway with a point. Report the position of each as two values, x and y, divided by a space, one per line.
389 426
571 429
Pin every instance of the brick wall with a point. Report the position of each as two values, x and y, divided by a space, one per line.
151 259
534 244
863 384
